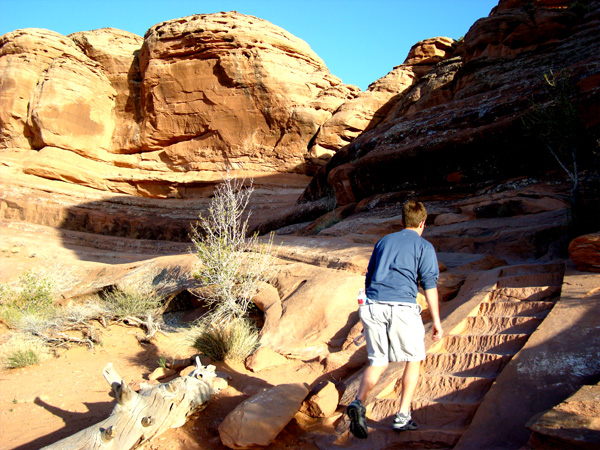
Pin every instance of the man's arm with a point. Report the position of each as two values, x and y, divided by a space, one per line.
431 296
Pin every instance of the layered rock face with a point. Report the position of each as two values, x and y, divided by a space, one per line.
460 124
198 95
227 89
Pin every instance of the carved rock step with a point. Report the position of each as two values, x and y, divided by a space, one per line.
466 364
499 344
481 325
531 280
535 293
427 414
521 308
450 388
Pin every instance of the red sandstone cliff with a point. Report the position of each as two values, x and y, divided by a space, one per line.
460 124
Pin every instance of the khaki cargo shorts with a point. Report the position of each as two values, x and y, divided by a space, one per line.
393 332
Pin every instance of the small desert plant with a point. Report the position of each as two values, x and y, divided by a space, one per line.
162 362
22 358
327 221
233 341
22 350
131 302
231 265
31 299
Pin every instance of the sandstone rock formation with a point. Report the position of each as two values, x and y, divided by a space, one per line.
460 124
322 401
317 307
36 65
368 108
117 51
264 358
227 89
159 115
569 424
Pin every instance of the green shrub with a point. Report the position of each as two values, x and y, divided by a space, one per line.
31 300
327 221
234 341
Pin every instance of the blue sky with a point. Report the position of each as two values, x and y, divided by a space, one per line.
359 40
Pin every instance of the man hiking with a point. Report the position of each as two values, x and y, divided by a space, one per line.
390 314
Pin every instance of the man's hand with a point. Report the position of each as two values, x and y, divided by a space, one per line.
438 332
431 296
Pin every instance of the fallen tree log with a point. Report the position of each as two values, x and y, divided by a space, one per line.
139 416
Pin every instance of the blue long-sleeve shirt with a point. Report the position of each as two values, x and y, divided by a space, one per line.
399 263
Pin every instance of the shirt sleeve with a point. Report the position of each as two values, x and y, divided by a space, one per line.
371 267
429 271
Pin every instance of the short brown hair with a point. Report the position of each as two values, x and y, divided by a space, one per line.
413 213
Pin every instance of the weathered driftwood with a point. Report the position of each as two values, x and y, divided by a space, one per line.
139 416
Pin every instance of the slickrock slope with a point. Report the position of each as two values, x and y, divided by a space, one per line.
460 370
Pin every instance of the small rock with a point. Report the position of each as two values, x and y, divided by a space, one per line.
323 402
263 358
186 372
161 373
218 384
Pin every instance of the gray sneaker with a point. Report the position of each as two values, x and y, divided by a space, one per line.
403 422
358 421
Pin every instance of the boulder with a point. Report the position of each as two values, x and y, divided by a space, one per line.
318 305
264 358
584 251
259 419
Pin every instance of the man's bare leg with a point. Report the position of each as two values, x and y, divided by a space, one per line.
410 379
369 380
